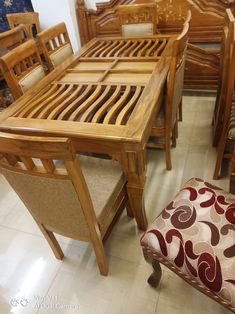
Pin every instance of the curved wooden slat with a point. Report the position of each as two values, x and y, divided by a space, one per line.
57 111
44 94
153 47
103 110
117 106
87 115
115 48
160 48
50 111
34 105
76 103
90 52
108 49
132 46
142 52
95 94
129 106
119 52
139 46
104 45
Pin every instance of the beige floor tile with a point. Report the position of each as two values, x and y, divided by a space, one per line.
178 297
29 269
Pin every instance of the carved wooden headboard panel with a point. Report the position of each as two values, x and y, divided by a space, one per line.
205 27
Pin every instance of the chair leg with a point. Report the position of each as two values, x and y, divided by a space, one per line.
101 257
219 160
174 134
168 152
180 111
129 210
52 242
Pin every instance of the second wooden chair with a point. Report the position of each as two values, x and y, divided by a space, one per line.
22 68
55 45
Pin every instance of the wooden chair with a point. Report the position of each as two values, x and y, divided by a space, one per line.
55 45
227 137
30 19
166 123
228 35
137 19
80 198
13 38
22 68
194 237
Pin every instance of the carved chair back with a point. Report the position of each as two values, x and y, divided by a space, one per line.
30 19
47 176
167 129
13 38
227 129
137 19
22 68
227 39
55 45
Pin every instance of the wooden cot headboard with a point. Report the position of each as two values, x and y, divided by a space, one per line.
202 64
206 24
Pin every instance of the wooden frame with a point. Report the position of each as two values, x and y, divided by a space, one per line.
18 63
30 19
173 99
202 62
51 40
20 155
104 122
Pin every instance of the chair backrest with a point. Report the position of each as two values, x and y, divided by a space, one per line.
55 45
22 68
30 19
225 56
47 176
175 80
13 38
137 19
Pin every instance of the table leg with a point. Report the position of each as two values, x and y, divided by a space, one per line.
135 169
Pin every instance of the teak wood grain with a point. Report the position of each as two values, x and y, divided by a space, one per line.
106 105
202 60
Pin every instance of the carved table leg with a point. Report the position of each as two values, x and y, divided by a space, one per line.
135 169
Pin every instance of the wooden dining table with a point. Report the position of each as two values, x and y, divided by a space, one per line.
105 98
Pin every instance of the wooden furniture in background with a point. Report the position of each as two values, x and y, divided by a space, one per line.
55 45
106 105
22 68
80 198
137 20
220 105
227 137
13 38
30 19
166 123
202 62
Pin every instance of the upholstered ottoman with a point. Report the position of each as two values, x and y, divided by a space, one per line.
194 236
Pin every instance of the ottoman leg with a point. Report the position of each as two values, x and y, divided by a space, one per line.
156 275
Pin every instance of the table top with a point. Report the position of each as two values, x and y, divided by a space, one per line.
110 90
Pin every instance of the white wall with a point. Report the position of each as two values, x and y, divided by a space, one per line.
55 11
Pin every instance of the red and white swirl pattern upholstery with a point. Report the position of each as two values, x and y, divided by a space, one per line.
195 236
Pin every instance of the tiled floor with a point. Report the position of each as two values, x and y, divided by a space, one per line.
33 281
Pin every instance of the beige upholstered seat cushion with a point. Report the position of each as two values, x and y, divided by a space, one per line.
195 236
32 78
55 204
61 55
142 29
